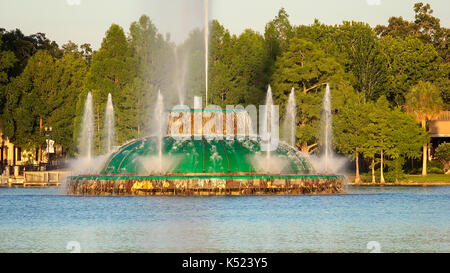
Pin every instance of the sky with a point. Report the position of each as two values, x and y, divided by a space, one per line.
86 21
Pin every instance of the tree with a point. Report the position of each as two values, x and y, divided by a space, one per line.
406 139
238 68
70 75
409 60
112 71
349 135
24 47
365 59
155 69
27 108
7 61
277 34
442 154
191 65
379 132
307 68
424 103
397 27
426 27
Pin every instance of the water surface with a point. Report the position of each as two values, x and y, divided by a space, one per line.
399 219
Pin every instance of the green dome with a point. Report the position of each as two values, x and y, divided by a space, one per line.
203 156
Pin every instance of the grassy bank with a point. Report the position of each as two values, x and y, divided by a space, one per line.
416 180
431 178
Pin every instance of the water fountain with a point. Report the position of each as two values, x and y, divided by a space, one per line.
200 163
86 139
180 76
266 132
327 127
109 127
289 119
159 118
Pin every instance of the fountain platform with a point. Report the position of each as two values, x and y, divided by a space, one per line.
204 167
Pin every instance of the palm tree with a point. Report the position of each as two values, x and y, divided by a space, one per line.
424 102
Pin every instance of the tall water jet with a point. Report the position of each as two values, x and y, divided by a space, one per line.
327 127
109 129
206 38
291 112
267 121
159 118
180 76
87 129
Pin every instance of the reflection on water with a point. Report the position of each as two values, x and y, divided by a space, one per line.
400 219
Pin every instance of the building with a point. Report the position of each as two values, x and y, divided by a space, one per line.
13 155
439 129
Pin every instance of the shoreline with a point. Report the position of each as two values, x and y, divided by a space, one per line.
402 184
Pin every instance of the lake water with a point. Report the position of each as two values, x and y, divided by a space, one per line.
393 219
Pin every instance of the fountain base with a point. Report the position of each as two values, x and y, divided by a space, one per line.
209 185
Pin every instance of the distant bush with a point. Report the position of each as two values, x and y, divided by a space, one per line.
443 155
391 176
434 170
443 151
434 164
366 177
415 171
388 176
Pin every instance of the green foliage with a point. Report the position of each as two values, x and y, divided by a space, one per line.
277 34
409 61
434 170
425 27
389 177
154 65
365 59
424 101
70 73
305 67
238 67
392 134
27 98
443 152
44 95
7 61
24 47
349 124
112 71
